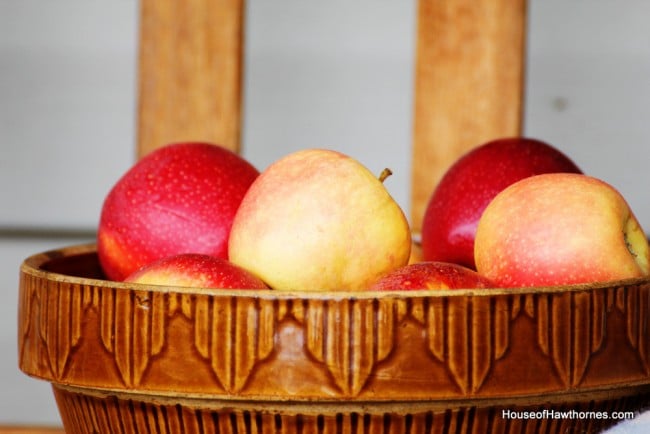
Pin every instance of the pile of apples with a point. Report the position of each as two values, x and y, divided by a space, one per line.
513 212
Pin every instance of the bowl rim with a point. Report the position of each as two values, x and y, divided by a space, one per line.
33 265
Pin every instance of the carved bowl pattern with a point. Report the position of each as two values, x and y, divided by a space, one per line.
137 358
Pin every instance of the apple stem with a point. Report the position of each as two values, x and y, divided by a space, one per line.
385 174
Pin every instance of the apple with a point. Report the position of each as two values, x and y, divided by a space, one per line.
318 220
431 275
559 229
196 270
180 198
455 206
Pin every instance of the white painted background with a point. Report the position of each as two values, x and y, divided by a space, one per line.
336 74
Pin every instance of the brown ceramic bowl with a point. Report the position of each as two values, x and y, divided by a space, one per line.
126 358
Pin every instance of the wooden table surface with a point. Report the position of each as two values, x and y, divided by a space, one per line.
22 429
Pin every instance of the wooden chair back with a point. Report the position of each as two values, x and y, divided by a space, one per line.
469 76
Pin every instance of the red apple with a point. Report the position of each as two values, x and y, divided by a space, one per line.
453 211
558 229
198 271
431 275
181 198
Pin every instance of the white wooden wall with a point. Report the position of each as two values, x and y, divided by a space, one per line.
336 74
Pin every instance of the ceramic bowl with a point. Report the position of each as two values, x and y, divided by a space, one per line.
127 358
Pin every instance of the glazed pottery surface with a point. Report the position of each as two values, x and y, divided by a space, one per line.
143 358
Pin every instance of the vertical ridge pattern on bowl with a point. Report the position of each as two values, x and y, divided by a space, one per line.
87 414
157 343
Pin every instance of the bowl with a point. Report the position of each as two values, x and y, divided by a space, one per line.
132 358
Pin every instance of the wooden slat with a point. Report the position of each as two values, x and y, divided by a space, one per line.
190 72
468 84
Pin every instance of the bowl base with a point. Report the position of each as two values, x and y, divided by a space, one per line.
84 413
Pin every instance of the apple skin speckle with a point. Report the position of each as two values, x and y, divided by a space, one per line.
431 275
180 198
196 271
455 206
559 229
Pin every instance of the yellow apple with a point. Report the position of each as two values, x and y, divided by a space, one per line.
318 220
558 229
